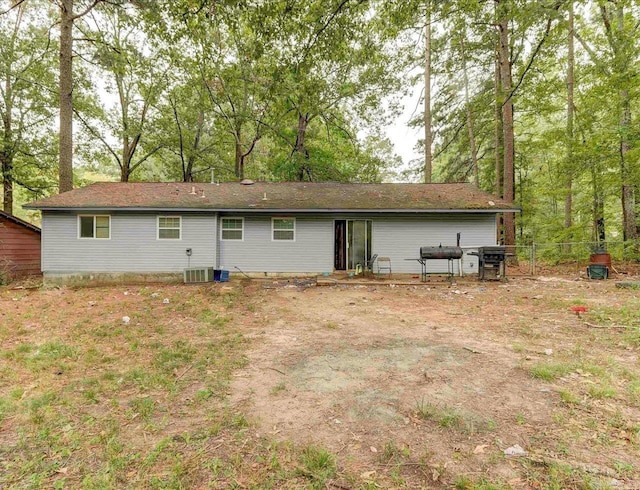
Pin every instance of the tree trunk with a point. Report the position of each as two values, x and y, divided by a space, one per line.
128 151
7 181
472 139
300 148
569 165
188 173
65 162
498 142
239 167
428 158
126 162
507 123
7 151
629 228
124 173
629 225
598 208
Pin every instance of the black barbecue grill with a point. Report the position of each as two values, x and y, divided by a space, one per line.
491 262
432 253
438 253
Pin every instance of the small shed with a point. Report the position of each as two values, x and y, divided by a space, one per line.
19 247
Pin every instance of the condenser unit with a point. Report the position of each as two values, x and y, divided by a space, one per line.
198 274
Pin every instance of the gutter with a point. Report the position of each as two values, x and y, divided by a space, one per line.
275 210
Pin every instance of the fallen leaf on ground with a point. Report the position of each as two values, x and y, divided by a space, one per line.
480 448
368 475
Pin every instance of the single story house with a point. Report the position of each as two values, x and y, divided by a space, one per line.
19 248
150 228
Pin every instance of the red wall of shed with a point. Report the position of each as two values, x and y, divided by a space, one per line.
19 249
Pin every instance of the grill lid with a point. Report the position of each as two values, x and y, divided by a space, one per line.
440 252
495 250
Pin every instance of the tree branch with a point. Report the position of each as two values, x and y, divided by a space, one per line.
14 6
333 15
85 11
144 158
177 119
607 26
99 136
533 55
591 53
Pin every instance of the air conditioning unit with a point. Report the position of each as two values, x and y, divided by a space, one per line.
198 274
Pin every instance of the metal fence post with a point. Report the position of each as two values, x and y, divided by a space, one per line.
533 258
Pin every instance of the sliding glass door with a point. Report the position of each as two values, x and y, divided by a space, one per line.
358 242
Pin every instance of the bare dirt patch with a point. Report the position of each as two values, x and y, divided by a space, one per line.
444 374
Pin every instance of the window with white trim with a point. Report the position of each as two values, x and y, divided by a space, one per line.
169 227
232 228
95 226
283 229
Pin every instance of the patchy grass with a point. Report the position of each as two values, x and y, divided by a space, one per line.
453 418
87 401
95 403
318 465
550 371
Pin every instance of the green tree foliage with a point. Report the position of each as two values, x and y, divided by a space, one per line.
134 76
283 90
27 91
600 156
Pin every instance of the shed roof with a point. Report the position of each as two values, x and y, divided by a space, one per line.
19 221
276 196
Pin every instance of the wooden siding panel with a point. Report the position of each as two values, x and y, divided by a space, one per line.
19 249
133 246
312 250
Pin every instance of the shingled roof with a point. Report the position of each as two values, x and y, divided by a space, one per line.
276 196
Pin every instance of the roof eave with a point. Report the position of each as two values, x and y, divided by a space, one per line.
275 210
21 222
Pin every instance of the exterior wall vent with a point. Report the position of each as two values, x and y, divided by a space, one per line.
198 274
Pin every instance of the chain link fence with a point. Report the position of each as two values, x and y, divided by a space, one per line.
532 259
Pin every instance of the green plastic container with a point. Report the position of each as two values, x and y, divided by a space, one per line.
597 271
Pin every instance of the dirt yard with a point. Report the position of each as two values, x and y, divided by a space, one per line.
451 375
344 386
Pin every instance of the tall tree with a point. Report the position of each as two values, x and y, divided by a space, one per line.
620 44
498 138
568 202
135 74
506 99
473 151
26 93
67 19
428 163
339 72
615 62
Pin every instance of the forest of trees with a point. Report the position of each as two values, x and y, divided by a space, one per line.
534 101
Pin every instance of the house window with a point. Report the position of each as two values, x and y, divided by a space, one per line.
232 228
94 227
169 227
283 229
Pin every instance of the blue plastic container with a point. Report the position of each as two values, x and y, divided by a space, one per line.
220 275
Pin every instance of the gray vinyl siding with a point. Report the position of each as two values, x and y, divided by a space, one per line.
133 246
312 250
400 238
